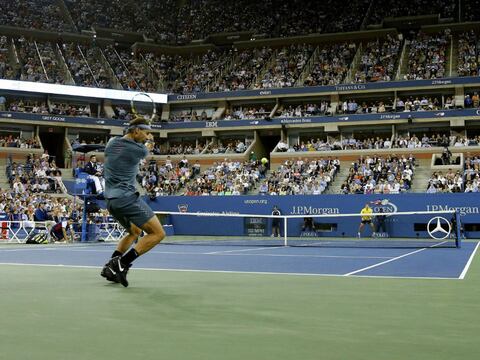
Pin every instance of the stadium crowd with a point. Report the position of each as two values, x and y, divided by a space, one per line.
29 206
379 61
228 146
288 65
331 65
231 69
301 177
471 173
228 177
37 107
301 110
13 141
427 56
179 148
36 175
451 182
390 174
165 179
381 9
378 142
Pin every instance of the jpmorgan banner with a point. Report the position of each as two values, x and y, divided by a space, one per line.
468 206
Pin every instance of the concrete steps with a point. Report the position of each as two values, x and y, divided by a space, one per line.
335 185
422 173
3 177
421 176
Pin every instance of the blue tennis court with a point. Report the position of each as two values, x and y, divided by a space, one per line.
434 263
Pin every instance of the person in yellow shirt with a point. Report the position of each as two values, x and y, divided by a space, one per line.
366 219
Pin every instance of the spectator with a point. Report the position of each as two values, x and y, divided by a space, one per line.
41 213
95 172
446 156
2 102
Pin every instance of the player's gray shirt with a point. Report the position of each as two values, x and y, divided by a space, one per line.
122 158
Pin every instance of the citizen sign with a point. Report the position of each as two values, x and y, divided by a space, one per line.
186 97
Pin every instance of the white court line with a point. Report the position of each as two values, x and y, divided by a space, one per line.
238 272
393 259
219 253
469 262
305 255
241 250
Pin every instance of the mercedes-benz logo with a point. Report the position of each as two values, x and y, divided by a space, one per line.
440 226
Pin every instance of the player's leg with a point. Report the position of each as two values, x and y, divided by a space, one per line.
155 234
119 265
117 207
360 228
53 236
134 215
381 227
137 212
126 242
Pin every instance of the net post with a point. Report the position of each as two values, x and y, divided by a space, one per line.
285 243
458 229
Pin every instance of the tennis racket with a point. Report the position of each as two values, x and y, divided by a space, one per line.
143 106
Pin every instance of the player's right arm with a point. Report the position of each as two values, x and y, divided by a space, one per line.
150 143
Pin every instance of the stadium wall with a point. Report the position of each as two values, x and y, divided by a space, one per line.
466 203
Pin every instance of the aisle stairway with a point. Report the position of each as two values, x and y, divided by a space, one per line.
422 173
335 185
3 176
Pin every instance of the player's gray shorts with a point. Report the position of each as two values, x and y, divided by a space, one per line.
130 210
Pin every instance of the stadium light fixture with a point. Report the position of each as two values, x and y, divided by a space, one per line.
78 91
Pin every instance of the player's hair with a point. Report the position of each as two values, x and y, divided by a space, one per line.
137 120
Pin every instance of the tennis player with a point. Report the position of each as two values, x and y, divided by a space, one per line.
122 158
366 219
58 232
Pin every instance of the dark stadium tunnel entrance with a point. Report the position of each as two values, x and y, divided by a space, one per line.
268 140
53 140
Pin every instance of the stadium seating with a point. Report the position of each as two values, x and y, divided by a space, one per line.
80 46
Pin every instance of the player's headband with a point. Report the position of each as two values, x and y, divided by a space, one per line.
139 126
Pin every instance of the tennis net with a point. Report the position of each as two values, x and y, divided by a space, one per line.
400 229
